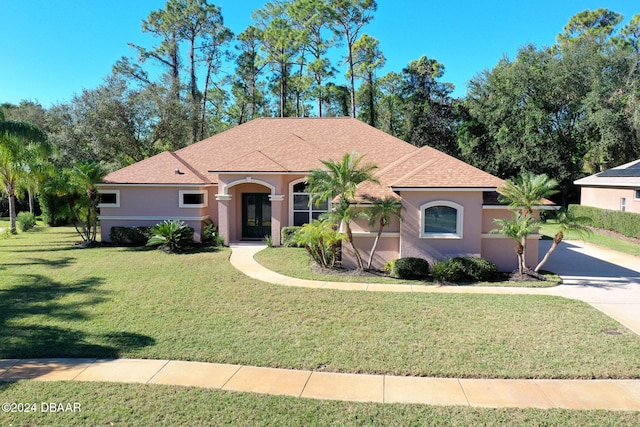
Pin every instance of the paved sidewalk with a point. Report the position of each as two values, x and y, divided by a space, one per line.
497 393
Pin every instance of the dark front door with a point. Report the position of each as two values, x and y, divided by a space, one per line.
256 215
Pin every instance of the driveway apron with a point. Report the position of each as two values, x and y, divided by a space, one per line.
606 279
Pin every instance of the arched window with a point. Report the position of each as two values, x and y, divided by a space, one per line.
441 220
301 211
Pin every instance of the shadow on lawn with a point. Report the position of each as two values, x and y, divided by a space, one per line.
34 317
53 263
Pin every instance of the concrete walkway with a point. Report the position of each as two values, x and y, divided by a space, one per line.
606 280
569 394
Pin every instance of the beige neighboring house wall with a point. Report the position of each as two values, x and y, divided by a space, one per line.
615 189
611 198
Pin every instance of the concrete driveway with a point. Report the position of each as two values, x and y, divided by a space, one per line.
606 279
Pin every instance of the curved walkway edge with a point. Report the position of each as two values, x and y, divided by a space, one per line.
623 395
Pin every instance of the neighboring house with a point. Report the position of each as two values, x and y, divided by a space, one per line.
250 181
615 189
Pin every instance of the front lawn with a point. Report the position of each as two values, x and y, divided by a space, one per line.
597 238
57 300
104 404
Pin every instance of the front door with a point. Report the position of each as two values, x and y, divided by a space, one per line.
256 215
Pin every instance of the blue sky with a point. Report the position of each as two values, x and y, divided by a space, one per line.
52 49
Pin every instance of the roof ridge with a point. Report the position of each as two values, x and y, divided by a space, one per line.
271 158
188 166
395 163
414 171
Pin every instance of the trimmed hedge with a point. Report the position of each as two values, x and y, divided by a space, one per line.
625 223
129 236
464 269
410 268
287 235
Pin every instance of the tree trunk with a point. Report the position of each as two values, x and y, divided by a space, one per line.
372 107
373 248
518 251
12 208
353 247
556 241
31 204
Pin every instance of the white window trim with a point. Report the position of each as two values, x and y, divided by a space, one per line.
623 204
459 220
110 205
181 203
636 192
291 204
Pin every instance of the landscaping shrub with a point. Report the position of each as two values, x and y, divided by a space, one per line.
55 210
321 240
464 269
171 236
129 236
26 221
479 268
287 236
410 268
450 270
625 223
388 266
210 234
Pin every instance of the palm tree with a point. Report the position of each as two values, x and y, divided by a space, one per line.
340 179
14 137
518 229
523 193
381 213
527 190
82 194
565 220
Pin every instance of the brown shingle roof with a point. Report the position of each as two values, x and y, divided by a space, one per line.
298 145
163 168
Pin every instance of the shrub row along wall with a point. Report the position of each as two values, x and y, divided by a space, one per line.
625 223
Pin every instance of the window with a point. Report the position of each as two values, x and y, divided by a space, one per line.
109 199
302 212
623 204
193 199
441 220
636 194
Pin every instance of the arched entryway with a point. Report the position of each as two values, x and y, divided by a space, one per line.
249 209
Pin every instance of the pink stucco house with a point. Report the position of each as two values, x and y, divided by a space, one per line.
616 189
250 180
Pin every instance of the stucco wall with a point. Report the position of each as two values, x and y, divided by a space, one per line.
609 198
412 245
149 205
387 249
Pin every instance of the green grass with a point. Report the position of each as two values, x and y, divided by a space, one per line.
137 404
606 241
57 300
294 262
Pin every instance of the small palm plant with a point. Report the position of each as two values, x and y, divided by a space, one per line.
518 229
340 178
171 236
381 212
320 239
